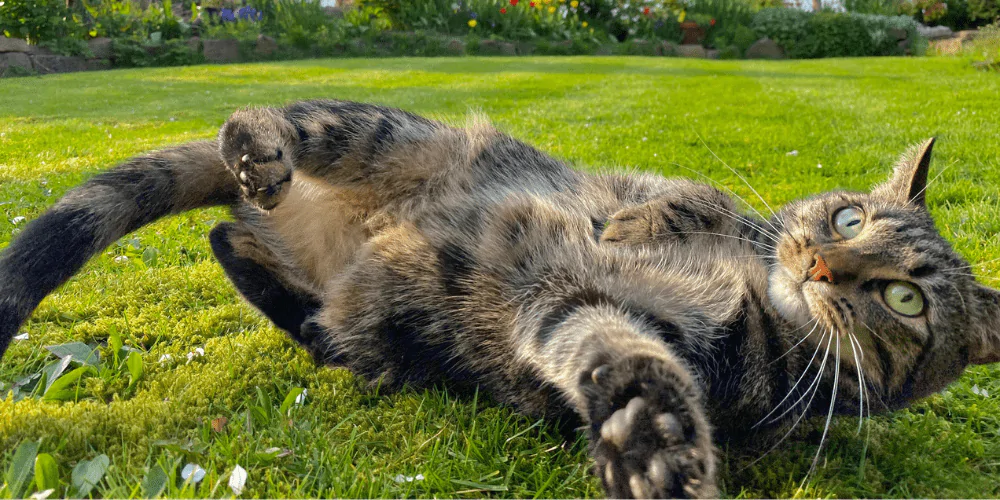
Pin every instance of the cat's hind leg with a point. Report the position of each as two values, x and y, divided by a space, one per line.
264 280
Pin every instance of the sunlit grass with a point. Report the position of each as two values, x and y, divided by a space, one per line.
847 120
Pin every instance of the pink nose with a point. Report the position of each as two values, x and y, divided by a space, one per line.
820 271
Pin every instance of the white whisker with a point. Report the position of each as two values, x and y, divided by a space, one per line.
796 384
745 181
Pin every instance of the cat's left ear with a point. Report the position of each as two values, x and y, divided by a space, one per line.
909 179
984 341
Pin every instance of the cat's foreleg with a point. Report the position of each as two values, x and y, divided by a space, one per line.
381 154
648 431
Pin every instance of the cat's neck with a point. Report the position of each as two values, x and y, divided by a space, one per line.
753 358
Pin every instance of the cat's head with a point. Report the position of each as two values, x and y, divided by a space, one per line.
872 269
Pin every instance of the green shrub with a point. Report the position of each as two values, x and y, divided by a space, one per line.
834 34
39 20
112 18
985 49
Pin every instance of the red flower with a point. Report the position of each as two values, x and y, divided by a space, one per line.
645 11
503 10
514 2
712 22
531 4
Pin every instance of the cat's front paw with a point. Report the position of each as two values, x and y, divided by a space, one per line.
264 181
649 436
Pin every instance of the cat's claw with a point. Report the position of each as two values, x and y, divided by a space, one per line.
645 448
263 183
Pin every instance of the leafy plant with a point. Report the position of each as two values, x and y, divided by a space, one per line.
39 20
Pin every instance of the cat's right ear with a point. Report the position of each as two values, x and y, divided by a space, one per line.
984 342
909 179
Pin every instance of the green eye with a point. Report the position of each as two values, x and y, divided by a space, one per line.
904 298
848 222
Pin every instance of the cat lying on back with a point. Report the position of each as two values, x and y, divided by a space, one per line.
651 309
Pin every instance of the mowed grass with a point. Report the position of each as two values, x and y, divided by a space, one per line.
846 119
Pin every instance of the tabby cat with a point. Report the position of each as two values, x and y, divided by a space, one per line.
652 310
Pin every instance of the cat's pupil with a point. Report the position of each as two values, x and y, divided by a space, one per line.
854 222
906 298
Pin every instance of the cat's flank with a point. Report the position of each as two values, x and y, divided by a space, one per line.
653 311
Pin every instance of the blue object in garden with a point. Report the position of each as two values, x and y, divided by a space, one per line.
249 14
227 15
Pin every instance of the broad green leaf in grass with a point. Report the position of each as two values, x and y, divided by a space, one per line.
46 472
22 466
53 370
88 473
134 365
82 353
61 389
289 400
155 482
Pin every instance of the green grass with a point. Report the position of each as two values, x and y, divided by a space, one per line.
848 119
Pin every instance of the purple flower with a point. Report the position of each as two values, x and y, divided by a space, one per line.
227 15
472 15
249 14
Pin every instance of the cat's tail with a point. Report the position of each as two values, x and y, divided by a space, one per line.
95 214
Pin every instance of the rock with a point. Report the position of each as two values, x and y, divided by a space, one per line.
525 48
946 47
691 50
101 47
36 50
765 48
711 54
508 49
96 64
11 59
897 34
221 51
666 49
13 45
495 48
58 64
967 35
265 46
455 47
194 44
934 32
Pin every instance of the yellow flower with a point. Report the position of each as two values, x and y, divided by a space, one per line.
681 17
574 4
591 31
552 9
472 23
584 24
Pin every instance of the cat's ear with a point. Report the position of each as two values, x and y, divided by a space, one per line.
909 179
984 344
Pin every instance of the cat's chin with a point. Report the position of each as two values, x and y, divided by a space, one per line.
787 297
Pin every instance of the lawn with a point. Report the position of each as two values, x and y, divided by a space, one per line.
791 128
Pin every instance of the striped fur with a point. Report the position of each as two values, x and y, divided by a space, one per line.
647 309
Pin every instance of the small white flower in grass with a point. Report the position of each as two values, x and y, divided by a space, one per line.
301 398
794 152
166 358
980 392
193 473
41 495
23 336
17 220
408 479
121 259
644 139
196 353
819 165
238 479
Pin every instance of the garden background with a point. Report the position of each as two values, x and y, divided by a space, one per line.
147 375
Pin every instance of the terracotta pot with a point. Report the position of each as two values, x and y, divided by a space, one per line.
693 33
